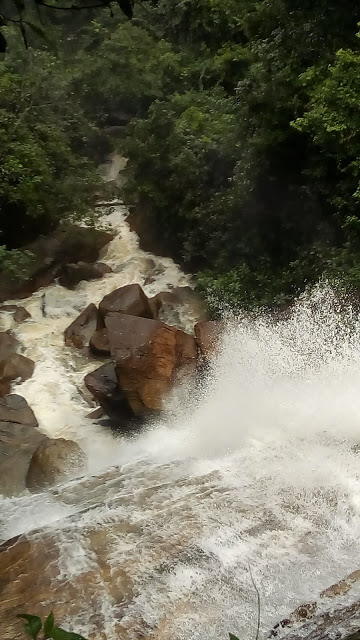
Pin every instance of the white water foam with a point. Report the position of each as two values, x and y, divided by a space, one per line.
260 470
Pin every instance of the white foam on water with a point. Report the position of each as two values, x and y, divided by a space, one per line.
259 470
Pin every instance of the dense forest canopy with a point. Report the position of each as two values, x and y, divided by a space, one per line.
240 119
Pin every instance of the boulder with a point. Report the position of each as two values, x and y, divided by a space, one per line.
14 367
66 244
54 461
103 385
18 313
208 335
73 273
99 343
129 299
175 307
96 414
18 440
8 344
149 357
79 332
15 409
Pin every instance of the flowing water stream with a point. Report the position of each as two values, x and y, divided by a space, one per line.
260 468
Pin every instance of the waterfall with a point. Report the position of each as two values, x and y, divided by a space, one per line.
260 468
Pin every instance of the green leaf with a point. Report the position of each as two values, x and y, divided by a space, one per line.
3 43
126 7
60 634
33 625
48 625
232 637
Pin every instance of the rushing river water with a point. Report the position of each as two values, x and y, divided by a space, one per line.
259 470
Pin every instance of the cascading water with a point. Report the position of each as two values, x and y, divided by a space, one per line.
261 469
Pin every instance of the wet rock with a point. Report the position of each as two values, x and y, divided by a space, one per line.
20 314
65 245
8 344
311 621
129 299
54 461
96 414
18 440
181 302
149 357
208 335
99 343
15 409
14 367
103 385
73 273
79 332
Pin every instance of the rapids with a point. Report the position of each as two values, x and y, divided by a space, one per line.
259 468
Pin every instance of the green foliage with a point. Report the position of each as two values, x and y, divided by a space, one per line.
123 69
45 176
34 625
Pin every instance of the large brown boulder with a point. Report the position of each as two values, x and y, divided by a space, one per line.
129 299
79 332
8 344
208 337
103 385
54 461
18 440
14 367
149 357
73 273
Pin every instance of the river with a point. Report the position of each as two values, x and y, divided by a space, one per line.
259 470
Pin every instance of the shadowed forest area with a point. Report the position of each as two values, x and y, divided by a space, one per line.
240 119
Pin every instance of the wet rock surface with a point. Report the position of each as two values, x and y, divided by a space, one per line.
54 461
8 344
19 438
72 274
15 368
79 332
147 356
208 336
65 245
20 314
99 343
103 385
129 299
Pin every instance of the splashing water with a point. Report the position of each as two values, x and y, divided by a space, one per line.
260 469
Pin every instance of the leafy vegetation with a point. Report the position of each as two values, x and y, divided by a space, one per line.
240 121
34 625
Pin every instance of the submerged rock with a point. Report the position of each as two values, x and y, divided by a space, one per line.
129 299
20 314
73 273
149 357
54 461
79 332
327 618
